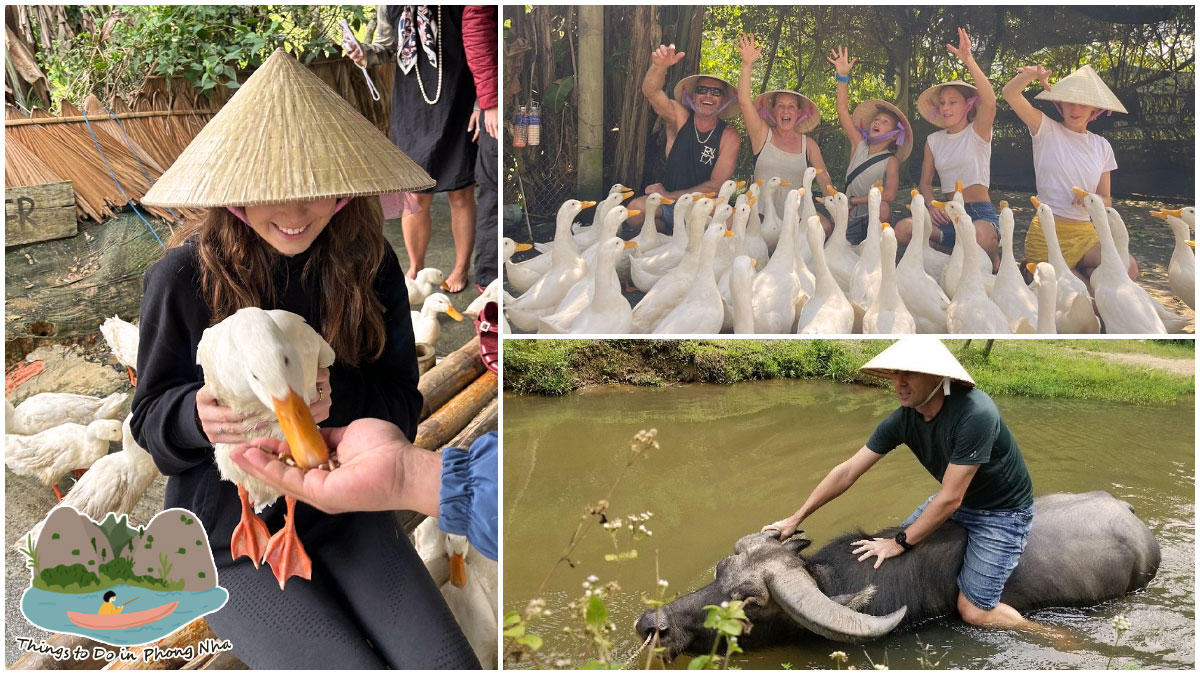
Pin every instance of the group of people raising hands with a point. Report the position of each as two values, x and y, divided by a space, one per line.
702 147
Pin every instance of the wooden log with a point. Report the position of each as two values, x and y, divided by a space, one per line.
121 116
450 419
66 287
39 213
447 378
35 661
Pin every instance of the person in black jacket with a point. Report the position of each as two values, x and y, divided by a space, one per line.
289 228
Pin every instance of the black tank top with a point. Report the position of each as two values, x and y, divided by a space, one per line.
691 162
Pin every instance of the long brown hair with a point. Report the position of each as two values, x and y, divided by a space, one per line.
236 271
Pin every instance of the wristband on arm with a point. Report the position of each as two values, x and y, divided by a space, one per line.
841 78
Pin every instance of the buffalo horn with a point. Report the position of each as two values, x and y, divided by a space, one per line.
798 595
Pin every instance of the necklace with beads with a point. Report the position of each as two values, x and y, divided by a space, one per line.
440 66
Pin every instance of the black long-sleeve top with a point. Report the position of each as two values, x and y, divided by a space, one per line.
173 317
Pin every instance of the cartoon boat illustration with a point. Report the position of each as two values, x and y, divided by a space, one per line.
119 621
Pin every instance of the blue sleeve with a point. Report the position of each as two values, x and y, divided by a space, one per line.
470 497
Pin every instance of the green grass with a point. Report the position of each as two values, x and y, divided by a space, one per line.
1073 369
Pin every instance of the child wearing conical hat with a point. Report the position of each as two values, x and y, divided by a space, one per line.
289 174
880 139
960 152
1066 155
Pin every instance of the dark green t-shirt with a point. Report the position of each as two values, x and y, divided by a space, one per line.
967 430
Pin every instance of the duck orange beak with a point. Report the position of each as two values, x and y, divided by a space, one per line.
458 570
445 286
586 205
913 193
453 314
1192 243
884 226
728 233
1080 192
303 437
1037 203
1003 204
633 212
1032 267
740 183
958 186
523 247
626 195
630 244
666 200
938 205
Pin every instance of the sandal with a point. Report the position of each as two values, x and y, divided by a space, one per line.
489 336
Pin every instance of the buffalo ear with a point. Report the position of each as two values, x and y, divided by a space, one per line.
856 601
797 543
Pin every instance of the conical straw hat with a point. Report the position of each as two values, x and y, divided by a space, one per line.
928 109
865 112
918 355
1084 87
688 84
764 101
285 136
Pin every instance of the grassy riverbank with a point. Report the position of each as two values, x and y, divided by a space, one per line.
1143 372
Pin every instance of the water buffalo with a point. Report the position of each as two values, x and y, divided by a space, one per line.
1084 548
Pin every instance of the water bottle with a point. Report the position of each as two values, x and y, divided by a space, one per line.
534 119
520 127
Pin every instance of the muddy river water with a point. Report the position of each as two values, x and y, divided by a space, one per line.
734 458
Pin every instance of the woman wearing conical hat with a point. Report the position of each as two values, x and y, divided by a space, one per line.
1066 155
289 174
880 139
960 152
777 122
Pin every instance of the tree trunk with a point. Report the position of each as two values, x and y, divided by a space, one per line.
590 85
636 116
772 48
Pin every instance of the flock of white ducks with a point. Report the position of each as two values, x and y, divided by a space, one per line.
739 266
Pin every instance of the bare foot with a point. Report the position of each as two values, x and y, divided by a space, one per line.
413 268
456 281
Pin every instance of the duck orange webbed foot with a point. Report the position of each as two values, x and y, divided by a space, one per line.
251 534
285 554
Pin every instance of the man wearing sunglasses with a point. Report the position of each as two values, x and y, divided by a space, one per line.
701 147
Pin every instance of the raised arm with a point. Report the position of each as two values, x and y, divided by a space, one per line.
837 481
1014 93
842 63
652 87
985 108
756 127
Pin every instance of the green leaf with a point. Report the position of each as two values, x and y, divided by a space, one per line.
534 642
511 619
610 557
597 613
701 662
557 93
730 627
515 631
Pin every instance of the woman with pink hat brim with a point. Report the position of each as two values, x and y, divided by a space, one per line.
880 139
1066 155
960 152
777 122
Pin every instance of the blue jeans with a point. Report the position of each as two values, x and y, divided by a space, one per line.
977 211
667 211
995 540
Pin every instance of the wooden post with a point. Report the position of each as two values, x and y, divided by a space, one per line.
591 100
39 213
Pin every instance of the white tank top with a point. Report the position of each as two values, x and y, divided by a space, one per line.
964 156
789 166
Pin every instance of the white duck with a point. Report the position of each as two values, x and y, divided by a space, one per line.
428 281
838 254
580 295
122 338
1181 273
425 324
1174 323
700 310
776 289
562 237
864 281
727 189
921 294
934 260
1045 286
741 280
646 270
649 238
520 277
1009 291
489 294
808 208
566 269
1124 306
587 236
608 229
114 483
670 289
772 220
954 265
1074 303
47 410
50 455
887 313
468 582
599 307
263 364
828 312
756 246
741 217
971 311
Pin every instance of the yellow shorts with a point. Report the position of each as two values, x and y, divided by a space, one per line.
1075 239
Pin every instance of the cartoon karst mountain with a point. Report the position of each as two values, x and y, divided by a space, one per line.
175 538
